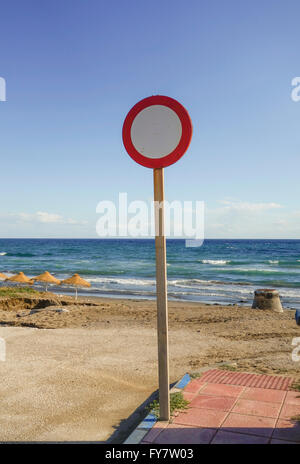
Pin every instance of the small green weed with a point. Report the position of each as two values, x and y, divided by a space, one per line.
296 386
177 402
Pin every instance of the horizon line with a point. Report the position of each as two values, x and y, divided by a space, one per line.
135 238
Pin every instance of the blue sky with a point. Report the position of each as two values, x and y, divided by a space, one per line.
74 68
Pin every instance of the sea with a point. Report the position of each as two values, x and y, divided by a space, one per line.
220 271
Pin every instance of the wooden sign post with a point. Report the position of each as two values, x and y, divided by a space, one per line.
161 294
156 133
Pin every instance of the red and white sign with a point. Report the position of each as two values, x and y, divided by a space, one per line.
157 131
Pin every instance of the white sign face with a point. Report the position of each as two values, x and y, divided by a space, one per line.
156 131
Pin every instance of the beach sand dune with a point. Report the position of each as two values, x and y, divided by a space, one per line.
77 375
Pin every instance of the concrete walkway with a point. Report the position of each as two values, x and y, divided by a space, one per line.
235 408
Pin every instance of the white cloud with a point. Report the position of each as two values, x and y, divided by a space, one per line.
41 217
248 206
244 219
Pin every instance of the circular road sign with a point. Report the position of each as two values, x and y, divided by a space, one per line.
157 131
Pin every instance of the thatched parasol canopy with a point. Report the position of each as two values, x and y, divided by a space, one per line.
76 281
20 278
2 276
47 278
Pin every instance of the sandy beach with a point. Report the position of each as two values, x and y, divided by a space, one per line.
80 374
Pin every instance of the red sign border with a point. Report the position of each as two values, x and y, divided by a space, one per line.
186 136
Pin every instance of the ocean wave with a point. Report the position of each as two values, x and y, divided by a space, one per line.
188 287
188 282
210 294
3 253
190 294
175 285
257 272
285 262
192 283
289 293
92 272
212 286
21 255
119 292
125 281
199 282
214 261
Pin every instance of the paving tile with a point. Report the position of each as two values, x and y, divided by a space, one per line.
201 417
212 402
181 434
230 409
189 396
227 377
289 410
225 437
263 394
252 425
247 379
155 431
274 382
222 390
194 386
257 408
292 398
287 430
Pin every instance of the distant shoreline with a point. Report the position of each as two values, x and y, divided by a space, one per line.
145 238
221 271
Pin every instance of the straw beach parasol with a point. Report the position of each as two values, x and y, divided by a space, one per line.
76 281
20 278
47 278
2 276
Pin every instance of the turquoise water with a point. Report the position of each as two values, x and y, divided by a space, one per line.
221 271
